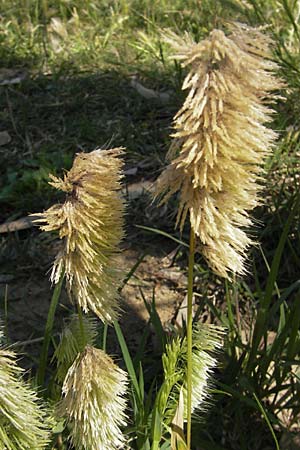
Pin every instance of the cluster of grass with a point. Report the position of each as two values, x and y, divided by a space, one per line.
79 58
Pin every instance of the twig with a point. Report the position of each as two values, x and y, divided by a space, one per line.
29 341
19 224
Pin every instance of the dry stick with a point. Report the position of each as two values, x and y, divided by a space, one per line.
59 442
190 336
29 341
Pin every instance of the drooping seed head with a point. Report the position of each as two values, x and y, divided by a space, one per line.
90 224
220 140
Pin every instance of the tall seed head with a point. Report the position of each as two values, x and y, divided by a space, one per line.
93 401
90 224
220 140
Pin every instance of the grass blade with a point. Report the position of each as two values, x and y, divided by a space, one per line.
128 360
48 332
163 233
267 420
263 312
155 319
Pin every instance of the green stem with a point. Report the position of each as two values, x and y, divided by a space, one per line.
81 326
48 332
105 329
190 336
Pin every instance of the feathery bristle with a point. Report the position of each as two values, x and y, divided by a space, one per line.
23 421
90 222
93 401
207 339
220 140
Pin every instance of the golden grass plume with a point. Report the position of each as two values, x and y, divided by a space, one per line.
93 401
220 140
23 420
90 224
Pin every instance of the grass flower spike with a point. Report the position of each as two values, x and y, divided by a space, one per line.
207 340
93 401
73 339
23 422
220 140
90 222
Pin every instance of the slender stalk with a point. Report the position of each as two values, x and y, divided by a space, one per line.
6 312
105 329
48 332
82 331
190 336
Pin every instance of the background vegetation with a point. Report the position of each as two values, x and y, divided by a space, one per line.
77 62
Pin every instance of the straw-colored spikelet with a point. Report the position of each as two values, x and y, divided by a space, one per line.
23 421
73 339
93 401
90 222
220 140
